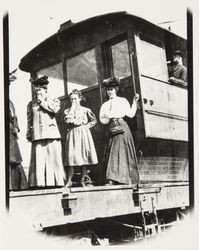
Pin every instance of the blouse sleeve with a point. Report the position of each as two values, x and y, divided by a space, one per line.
91 118
104 119
130 110
13 118
52 106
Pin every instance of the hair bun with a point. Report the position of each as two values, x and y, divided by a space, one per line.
111 82
41 81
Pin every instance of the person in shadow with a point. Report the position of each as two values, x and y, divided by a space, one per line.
17 177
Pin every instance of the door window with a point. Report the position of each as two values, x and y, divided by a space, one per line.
153 60
120 58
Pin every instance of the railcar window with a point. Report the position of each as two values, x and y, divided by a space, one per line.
55 77
153 61
82 71
120 56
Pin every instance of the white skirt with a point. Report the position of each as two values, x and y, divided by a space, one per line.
46 166
79 147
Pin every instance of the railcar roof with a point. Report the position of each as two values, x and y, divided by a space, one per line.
68 26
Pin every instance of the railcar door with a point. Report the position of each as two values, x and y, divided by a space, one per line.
164 105
116 59
82 74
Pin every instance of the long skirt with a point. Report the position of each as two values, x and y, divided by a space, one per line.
15 154
46 166
17 177
18 180
120 157
79 147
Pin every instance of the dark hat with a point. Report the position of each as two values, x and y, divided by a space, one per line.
41 81
111 82
178 53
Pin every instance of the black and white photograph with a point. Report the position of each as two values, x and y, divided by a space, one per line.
97 103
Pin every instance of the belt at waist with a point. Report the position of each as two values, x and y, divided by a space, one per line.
116 119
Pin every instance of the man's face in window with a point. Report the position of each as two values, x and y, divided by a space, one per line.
177 59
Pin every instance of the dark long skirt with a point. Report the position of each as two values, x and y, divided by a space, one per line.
17 177
120 157
15 154
18 180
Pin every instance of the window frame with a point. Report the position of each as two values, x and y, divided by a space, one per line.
128 54
107 54
51 65
154 41
75 55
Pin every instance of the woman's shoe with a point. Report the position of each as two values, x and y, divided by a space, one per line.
68 184
109 183
82 184
89 185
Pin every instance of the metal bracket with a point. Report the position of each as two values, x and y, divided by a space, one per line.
141 194
68 203
136 198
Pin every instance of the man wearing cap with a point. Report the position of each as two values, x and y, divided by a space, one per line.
46 166
177 71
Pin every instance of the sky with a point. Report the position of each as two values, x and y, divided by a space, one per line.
31 22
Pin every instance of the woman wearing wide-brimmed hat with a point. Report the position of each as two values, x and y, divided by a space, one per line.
120 154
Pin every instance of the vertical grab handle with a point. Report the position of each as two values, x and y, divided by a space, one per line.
132 75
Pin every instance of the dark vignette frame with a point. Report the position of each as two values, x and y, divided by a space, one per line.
6 102
190 106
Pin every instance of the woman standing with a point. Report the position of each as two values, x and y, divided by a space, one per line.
46 166
18 180
79 146
120 154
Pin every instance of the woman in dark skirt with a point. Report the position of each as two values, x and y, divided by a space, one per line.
120 154
17 177
79 146
18 180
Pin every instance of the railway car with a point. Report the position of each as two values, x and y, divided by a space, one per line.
81 55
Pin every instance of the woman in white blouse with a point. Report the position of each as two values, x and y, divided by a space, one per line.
120 154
